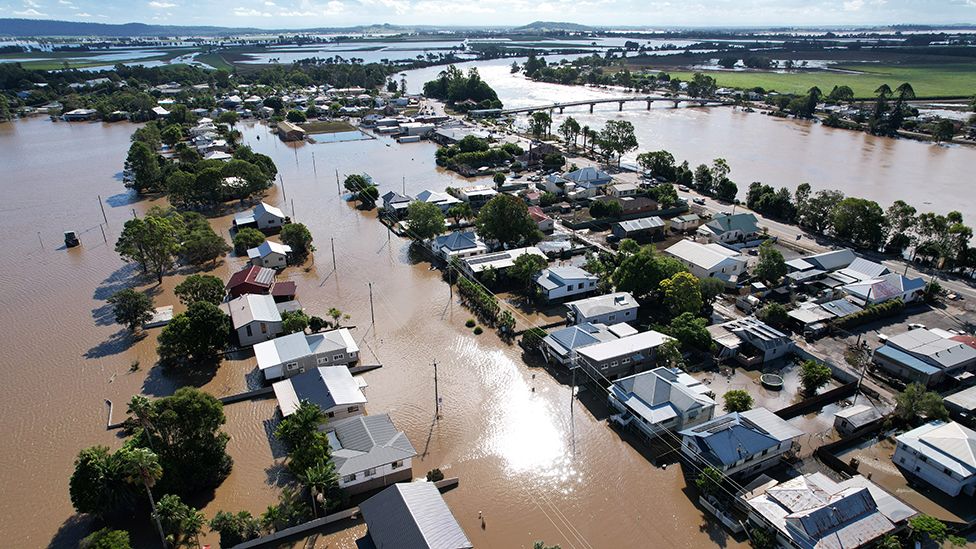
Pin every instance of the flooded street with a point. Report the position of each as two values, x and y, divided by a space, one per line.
777 152
533 471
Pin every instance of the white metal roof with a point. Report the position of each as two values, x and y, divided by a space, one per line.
624 346
327 386
950 445
412 515
252 307
706 256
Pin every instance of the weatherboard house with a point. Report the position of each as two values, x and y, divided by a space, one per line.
743 443
264 217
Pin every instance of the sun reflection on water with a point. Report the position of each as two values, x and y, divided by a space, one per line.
524 427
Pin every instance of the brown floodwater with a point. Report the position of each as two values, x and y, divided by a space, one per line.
778 152
535 468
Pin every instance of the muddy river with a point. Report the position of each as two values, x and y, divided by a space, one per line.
778 152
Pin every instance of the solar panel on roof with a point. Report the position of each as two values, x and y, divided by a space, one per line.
488 258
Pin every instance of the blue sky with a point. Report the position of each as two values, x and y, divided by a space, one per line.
312 13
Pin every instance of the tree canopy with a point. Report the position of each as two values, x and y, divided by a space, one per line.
196 335
426 220
131 308
197 287
505 219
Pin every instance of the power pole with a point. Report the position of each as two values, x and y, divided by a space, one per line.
102 206
293 209
102 227
372 314
334 267
437 398
338 188
281 181
314 170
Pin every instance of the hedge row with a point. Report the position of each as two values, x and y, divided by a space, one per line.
481 302
871 313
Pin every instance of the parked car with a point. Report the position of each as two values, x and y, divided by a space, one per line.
683 188
698 200
916 326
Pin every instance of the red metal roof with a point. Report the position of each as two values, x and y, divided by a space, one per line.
252 275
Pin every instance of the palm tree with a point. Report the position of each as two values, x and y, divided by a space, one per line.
140 408
295 429
318 479
142 465
905 92
586 133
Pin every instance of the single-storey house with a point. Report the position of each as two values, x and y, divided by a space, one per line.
645 227
684 223
623 355
264 217
750 341
559 282
457 244
499 261
854 419
543 221
825 262
603 309
925 357
273 255
662 399
620 190
79 115
369 453
555 184
290 132
962 403
559 346
477 195
709 260
815 511
295 353
411 515
739 443
730 228
443 201
256 317
395 203
942 454
885 288
260 280
589 177
332 388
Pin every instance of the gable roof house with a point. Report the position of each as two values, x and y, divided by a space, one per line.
685 222
264 217
660 399
709 260
637 228
739 443
500 261
457 244
332 388
369 453
542 220
925 357
273 255
885 288
411 515
750 341
559 282
941 454
295 353
255 317
260 280
814 511
603 309
730 228
589 177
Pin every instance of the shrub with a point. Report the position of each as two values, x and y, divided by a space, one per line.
478 330
814 375
532 338
737 400
474 296
470 323
435 475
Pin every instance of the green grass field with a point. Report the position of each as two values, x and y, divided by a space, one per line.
77 59
322 126
216 61
935 80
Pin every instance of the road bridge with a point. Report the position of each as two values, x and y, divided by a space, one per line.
620 101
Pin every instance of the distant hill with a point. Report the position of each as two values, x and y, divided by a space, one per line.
539 26
44 27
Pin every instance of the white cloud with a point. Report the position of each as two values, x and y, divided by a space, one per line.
83 14
31 4
249 12
161 4
30 12
853 5
270 3
65 2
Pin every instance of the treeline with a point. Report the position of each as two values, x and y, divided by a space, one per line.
191 181
940 240
475 152
708 180
462 92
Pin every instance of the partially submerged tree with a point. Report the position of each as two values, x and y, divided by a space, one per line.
196 335
299 238
737 400
916 404
200 288
426 220
131 308
247 238
814 375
